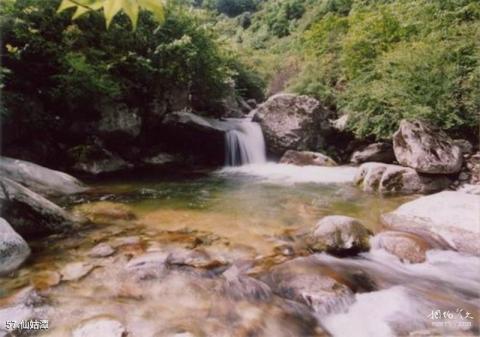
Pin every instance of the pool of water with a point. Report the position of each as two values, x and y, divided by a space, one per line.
255 214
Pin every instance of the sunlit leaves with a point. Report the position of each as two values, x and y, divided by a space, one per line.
112 7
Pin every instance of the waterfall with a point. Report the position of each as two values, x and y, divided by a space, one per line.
244 143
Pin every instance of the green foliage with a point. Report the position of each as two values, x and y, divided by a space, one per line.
390 60
232 8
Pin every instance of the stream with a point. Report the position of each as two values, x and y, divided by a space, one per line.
239 222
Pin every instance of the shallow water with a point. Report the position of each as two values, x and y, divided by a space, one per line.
255 215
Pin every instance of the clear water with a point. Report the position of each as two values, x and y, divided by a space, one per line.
245 214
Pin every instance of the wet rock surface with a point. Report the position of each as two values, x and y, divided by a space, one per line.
450 215
407 247
341 235
303 158
376 152
394 179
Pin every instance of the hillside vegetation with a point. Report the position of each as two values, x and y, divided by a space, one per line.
378 61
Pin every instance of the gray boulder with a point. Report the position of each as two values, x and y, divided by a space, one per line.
38 178
119 123
376 152
393 179
464 145
31 214
13 248
426 149
453 216
302 158
292 122
340 235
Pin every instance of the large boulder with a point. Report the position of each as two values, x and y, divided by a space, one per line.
13 248
473 167
453 216
340 235
376 152
426 149
303 158
38 178
393 179
119 123
292 122
31 214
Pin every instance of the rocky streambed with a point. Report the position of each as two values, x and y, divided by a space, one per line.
241 252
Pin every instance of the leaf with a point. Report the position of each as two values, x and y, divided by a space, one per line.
131 8
79 12
111 8
157 7
65 4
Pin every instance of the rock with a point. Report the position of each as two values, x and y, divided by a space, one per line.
149 265
31 214
46 279
303 158
74 271
104 326
13 249
393 179
119 123
160 159
406 246
426 149
105 212
340 235
292 122
305 281
94 159
188 119
340 124
473 166
376 152
453 216
102 250
38 178
197 258
464 145
240 286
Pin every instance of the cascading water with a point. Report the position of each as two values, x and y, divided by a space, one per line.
244 143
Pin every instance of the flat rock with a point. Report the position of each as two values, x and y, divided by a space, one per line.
38 178
454 216
426 149
103 326
102 250
75 271
340 235
303 158
13 248
390 179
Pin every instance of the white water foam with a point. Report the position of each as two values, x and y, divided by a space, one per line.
291 174
244 143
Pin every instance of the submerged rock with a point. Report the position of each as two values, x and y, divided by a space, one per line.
29 213
103 326
376 152
406 246
13 248
149 265
394 179
303 280
452 216
102 250
240 286
341 235
426 149
303 158
197 258
292 122
46 279
74 271
38 178
106 212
